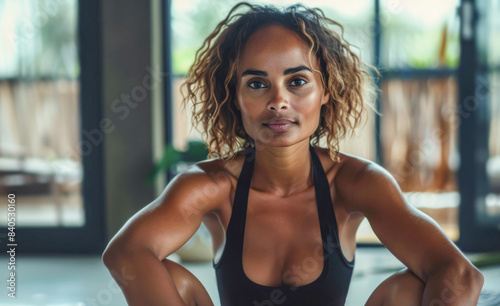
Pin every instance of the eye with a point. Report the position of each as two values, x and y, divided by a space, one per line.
256 85
298 82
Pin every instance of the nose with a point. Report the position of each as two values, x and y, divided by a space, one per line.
278 101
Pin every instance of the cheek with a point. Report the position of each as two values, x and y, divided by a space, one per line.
310 108
247 116
246 112
250 107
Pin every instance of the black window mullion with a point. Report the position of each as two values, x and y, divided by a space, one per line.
475 234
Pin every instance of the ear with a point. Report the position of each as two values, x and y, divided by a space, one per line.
325 98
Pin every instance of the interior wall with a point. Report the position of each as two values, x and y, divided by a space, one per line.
127 91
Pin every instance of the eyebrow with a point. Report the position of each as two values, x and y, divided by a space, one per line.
296 69
254 72
263 73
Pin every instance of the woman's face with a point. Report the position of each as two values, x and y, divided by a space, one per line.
278 92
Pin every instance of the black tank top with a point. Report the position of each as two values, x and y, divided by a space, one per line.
329 289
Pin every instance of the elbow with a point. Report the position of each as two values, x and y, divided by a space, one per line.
110 255
460 275
471 273
476 281
121 252
478 278
470 276
107 257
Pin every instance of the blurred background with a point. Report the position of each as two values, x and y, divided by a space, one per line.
92 130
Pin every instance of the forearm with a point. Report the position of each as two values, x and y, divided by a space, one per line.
143 279
453 286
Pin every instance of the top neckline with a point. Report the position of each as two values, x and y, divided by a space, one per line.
248 167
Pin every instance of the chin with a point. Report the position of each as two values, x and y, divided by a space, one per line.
282 141
266 137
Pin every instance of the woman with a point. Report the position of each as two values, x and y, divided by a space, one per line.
267 84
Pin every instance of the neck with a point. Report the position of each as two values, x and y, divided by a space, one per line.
282 170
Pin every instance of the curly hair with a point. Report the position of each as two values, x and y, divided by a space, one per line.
211 80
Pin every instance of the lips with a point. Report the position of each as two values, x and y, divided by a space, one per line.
279 121
279 124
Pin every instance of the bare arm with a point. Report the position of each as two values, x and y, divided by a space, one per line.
134 255
414 238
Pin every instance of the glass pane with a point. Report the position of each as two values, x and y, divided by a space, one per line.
489 28
418 125
489 58
420 34
493 164
40 160
419 145
196 20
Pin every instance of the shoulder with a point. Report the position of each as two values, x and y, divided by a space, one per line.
348 164
216 169
344 170
208 182
358 181
356 170
200 187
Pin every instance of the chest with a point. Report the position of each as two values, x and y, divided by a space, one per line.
282 238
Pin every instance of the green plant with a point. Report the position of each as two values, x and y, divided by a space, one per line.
196 151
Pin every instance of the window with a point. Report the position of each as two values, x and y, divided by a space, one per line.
416 139
39 119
